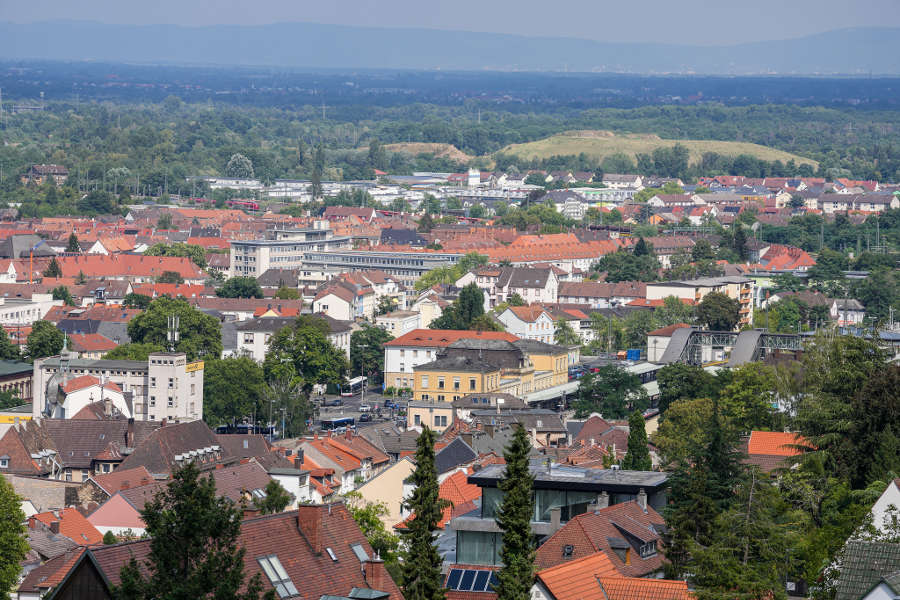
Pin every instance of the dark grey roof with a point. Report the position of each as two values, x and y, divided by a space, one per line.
117 332
482 344
267 324
335 325
19 246
560 196
536 347
571 477
402 237
14 367
390 439
540 419
454 454
848 304
458 363
484 399
523 277
279 277
865 564
48 544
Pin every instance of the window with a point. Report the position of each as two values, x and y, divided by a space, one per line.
4 462
331 554
106 467
472 384
360 552
171 401
193 389
424 381
648 549
68 475
456 383
248 338
278 576
440 383
153 382
440 397
417 420
171 382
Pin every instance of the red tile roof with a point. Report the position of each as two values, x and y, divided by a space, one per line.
91 342
128 265
86 381
642 588
440 338
775 443
591 532
121 479
668 330
577 579
72 524
459 492
48 575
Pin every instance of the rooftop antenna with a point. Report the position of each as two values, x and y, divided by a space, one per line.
173 336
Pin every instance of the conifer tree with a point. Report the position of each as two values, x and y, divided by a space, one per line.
514 518
72 245
421 573
194 551
53 269
638 456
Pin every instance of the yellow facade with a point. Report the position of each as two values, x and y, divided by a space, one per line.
447 386
542 371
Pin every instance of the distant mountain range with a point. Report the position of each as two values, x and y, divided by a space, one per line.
309 45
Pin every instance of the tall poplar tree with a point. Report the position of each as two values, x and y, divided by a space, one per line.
13 543
638 456
514 518
421 574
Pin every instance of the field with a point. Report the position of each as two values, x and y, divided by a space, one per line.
438 150
601 144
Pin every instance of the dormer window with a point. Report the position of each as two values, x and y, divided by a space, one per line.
648 549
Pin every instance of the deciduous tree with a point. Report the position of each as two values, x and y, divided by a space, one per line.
199 333
240 287
718 312
44 340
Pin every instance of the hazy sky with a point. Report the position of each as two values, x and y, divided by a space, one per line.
672 21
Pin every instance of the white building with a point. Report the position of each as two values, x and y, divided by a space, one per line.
253 335
166 386
18 311
529 323
886 510
399 322
283 249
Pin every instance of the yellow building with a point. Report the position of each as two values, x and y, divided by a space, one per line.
473 366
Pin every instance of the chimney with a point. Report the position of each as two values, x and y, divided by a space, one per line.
298 457
129 434
249 513
309 522
555 519
642 499
603 499
54 526
375 574
348 434
466 437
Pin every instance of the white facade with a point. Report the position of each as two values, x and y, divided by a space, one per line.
542 329
335 307
164 387
399 322
399 362
14 311
886 510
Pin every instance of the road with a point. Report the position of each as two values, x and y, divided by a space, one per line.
350 408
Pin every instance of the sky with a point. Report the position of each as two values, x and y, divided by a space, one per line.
692 22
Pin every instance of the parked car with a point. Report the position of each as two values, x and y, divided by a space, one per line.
365 418
364 408
332 402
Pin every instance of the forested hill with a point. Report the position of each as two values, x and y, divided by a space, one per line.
845 51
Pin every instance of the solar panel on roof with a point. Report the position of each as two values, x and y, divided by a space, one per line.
493 583
481 581
453 579
466 584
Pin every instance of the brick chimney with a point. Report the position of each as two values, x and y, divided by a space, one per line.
54 526
129 434
309 522
348 434
375 574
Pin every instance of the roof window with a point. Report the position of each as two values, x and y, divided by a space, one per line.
360 552
281 581
331 554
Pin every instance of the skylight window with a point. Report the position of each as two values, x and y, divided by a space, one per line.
360 552
281 581
258 493
331 554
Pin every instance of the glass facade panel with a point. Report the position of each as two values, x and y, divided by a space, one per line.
545 500
477 547
577 503
490 502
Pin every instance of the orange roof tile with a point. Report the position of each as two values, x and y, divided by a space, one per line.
643 588
577 580
775 443
73 525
